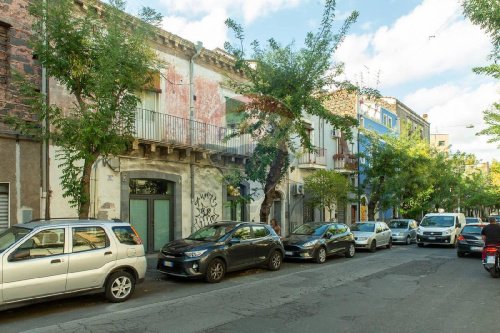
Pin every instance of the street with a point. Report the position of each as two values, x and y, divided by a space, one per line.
405 288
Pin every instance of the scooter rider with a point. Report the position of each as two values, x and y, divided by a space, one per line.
491 233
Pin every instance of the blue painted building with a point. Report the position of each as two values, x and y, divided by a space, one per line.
381 118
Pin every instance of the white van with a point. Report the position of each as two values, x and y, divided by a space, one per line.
440 228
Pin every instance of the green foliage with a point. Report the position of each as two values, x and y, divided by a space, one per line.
327 189
492 119
100 55
284 84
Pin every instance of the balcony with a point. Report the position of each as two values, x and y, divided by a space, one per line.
345 163
171 131
312 160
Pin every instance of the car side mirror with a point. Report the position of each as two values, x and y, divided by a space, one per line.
19 254
328 235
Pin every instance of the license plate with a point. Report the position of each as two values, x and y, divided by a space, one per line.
476 248
288 253
490 259
432 238
168 264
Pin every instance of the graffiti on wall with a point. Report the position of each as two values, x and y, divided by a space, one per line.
205 205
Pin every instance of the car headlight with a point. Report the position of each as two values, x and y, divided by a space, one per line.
420 231
362 238
310 243
447 232
194 254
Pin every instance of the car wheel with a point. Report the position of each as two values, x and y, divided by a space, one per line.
408 240
350 251
420 244
215 271
321 255
373 246
275 261
389 245
119 286
460 254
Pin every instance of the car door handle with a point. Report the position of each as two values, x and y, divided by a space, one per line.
55 261
108 253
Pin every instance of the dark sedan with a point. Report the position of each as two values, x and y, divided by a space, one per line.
469 240
319 240
221 247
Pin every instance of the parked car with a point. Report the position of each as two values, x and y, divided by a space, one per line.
440 228
471 219
371 235
470 240
61 257
222 247
319 240
497 218
403 230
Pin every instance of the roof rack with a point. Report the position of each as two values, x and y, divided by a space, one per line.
61 218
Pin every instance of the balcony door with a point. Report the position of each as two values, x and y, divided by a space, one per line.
151 211
147 120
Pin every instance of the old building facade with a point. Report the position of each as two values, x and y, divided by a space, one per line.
20 156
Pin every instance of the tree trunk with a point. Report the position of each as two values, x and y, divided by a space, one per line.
85 182
272 180
371 209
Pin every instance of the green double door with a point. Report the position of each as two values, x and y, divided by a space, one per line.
151 216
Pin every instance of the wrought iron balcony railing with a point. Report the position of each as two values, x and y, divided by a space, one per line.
346 162
167 129
316 157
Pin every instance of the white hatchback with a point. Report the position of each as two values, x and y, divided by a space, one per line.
58 257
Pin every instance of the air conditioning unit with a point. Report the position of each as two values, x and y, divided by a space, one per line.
299 189
335 133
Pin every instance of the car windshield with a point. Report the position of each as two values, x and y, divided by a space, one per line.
472 229
471 220
398 224
366 227
438 221
12 235
211 232
310 229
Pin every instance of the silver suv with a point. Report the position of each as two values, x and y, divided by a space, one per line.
57 257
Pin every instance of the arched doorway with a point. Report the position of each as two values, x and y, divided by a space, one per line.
151 211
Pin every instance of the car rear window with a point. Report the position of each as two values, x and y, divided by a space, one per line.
126 235
472 229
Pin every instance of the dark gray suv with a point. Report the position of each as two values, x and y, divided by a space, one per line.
221 247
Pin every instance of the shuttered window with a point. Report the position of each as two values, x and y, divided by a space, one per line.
4 206
4 61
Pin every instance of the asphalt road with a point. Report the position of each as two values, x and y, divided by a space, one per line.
404 289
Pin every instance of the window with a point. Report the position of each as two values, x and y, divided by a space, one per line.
234 114
387 121
46 243
126 235
260 231
242 233
150 94
89 238
4 58
441 143
4 206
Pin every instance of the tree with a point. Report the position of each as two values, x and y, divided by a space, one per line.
327 189
283 85
397 173
485 13
101 56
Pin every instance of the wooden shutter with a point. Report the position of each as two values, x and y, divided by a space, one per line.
4 206
4 61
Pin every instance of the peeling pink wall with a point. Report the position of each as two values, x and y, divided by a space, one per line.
210 105
176 95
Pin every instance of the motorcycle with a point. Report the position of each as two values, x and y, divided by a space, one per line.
491 259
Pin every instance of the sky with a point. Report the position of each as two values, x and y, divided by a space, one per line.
419 51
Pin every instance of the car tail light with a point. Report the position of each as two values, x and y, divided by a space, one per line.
461 238
491 251
137 238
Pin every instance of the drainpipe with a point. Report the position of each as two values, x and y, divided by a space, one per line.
198 47
46 144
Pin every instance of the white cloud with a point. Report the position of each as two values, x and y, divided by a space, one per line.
204 20
434 38
451 108
210 29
